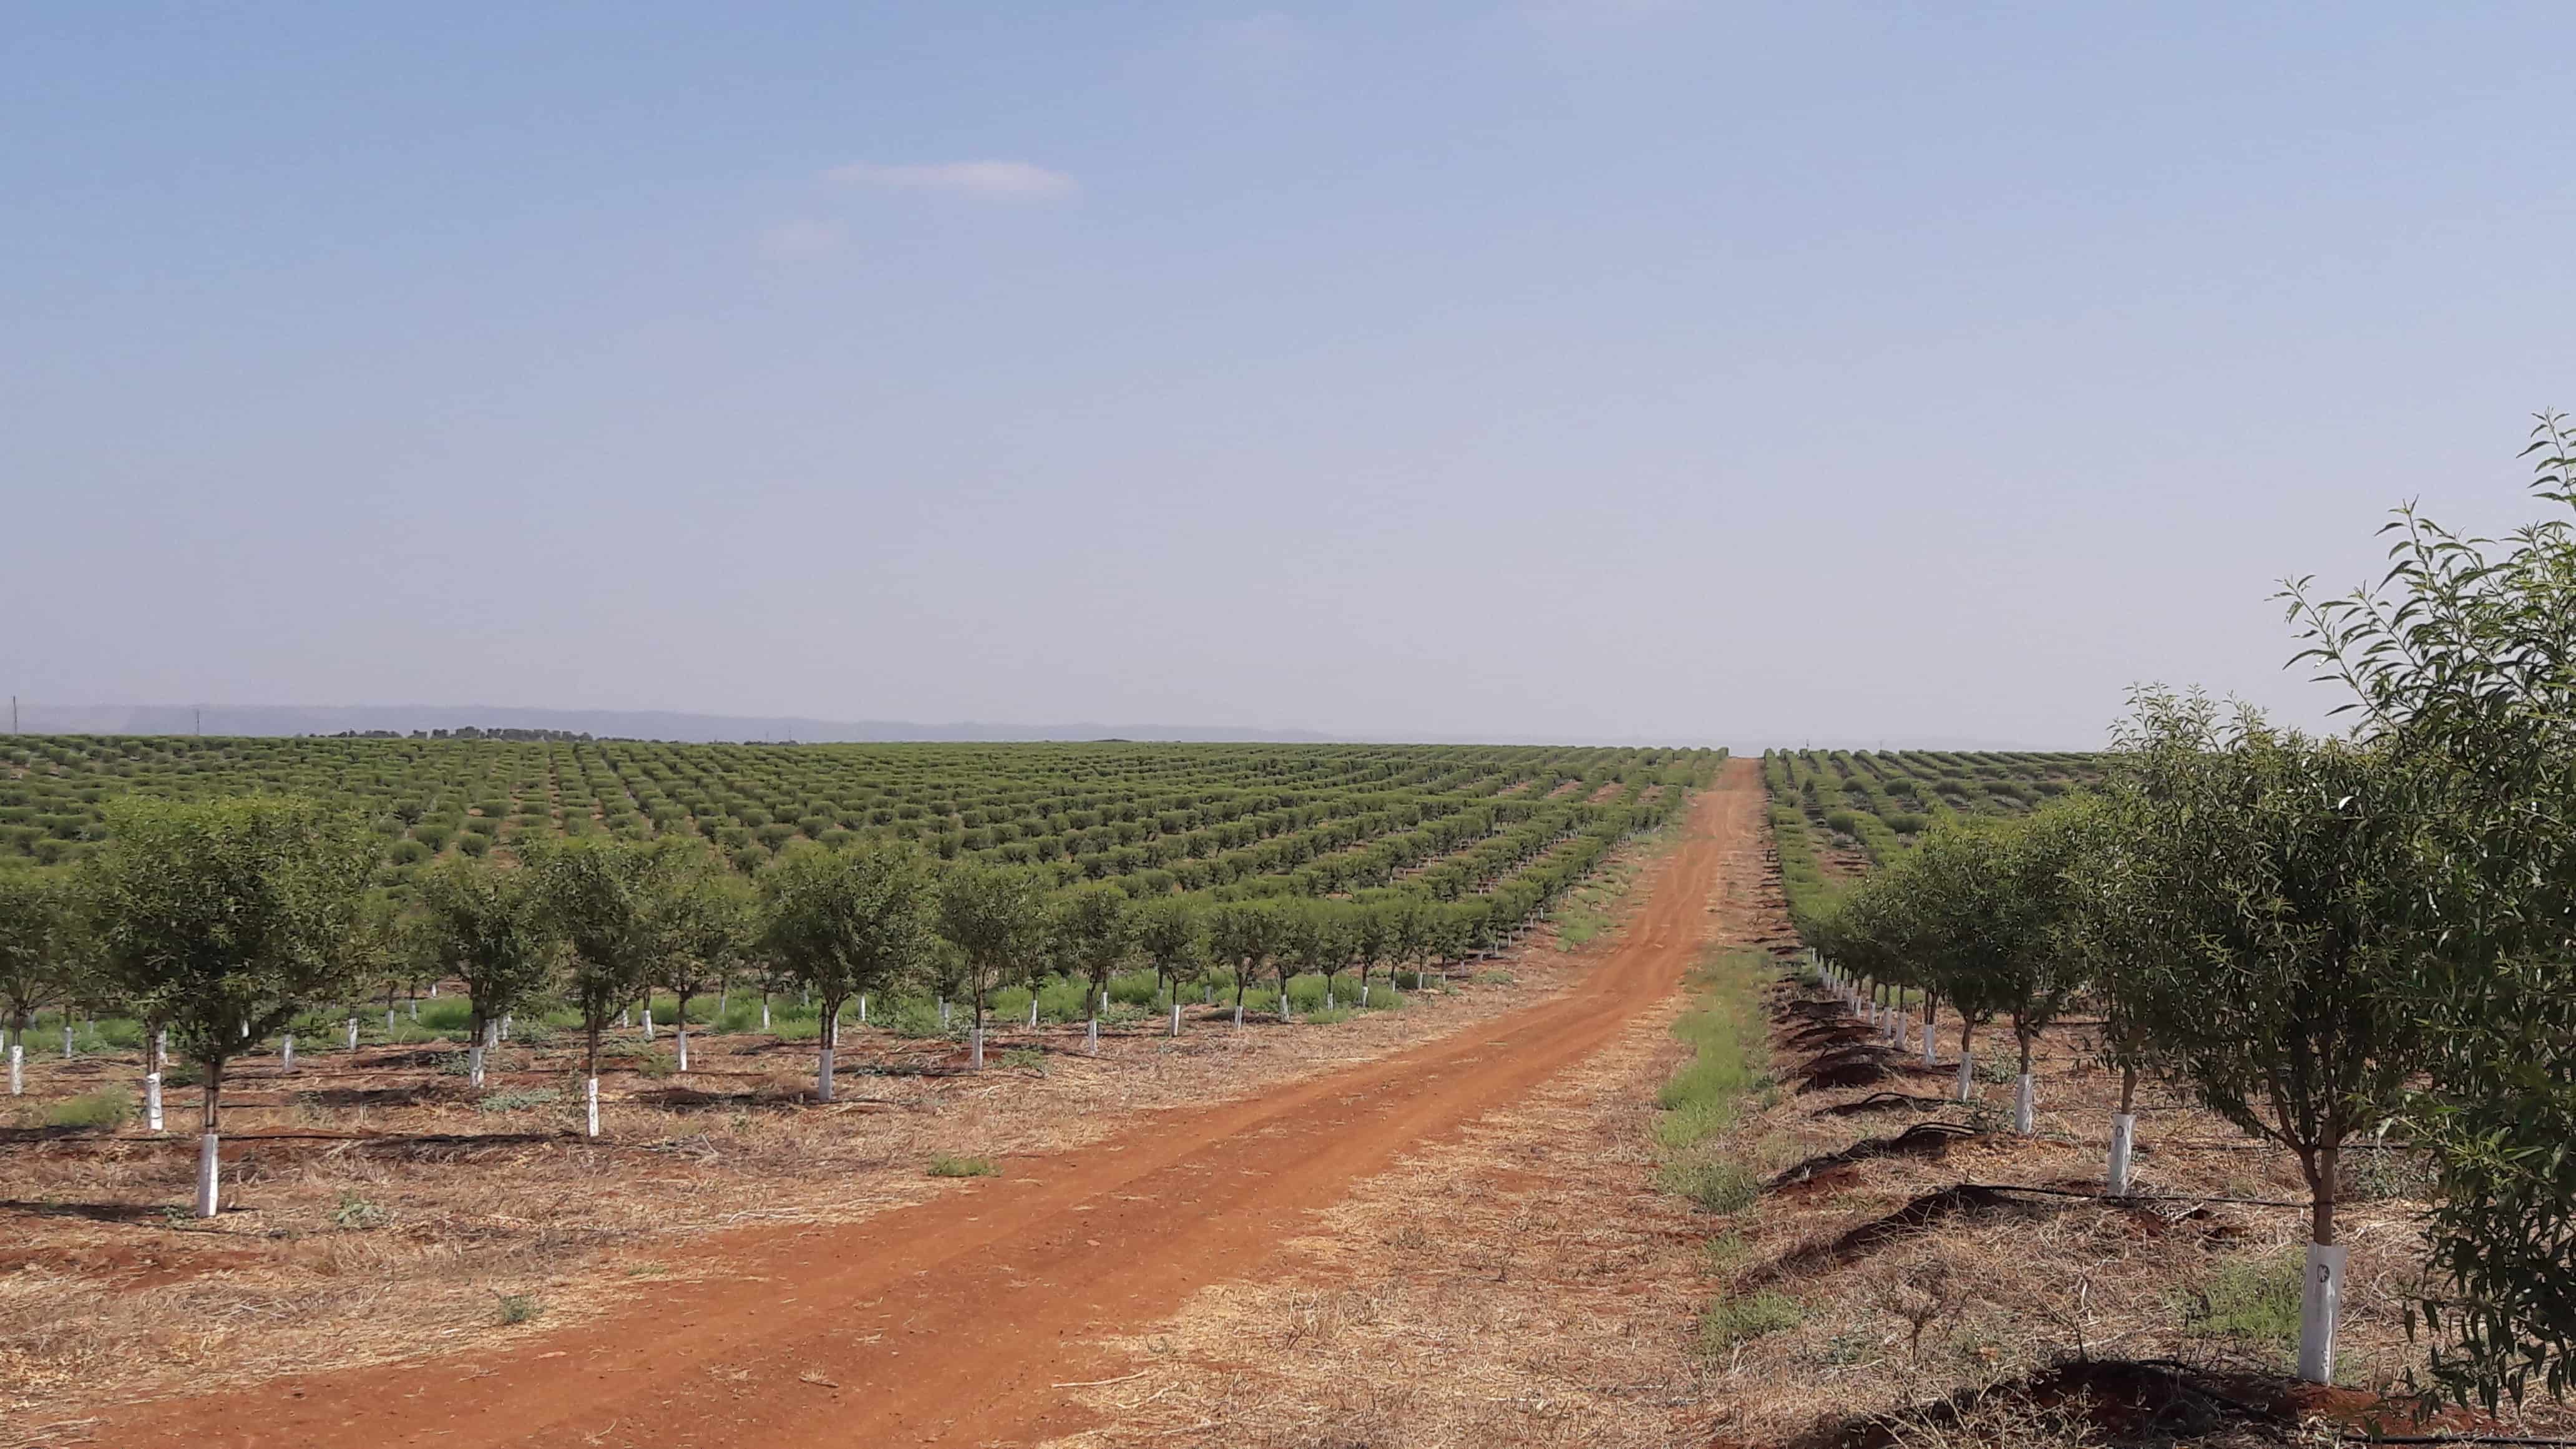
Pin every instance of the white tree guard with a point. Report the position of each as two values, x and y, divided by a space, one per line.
353 1033
389 1021
764 1015
1931 1057
1033 1008
152 1100
648 1023
286 1053
863 1008
474 1066
2319 1307
1091 1036
1238 1013
17 1071
1176 1018
67 1041
2025 1106
1967 1077
590 1099
823 1077
684 1046
2124 1137
975 1045
210 1174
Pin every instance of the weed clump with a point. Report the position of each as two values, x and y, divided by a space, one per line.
945 1165
1730 1320
107 1109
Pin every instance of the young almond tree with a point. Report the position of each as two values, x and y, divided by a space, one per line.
2460 667
35 947
1243 935
1168 932
1094 929
996 917
2260 953
483 924
841 922
1372 940
603 899
224 919
705 920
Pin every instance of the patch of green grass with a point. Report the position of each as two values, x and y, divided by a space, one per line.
1726 1252
355 1214
108 1108
520 1308
1028 1058
1719 1184
946 1166
1730 1320
517 1100
1332 1017
1727 1058
2252 1299
1495 978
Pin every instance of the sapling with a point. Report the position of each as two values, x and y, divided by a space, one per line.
219 916
39 947
602 898
2253 938
485 926
842 922
1093 928
995 917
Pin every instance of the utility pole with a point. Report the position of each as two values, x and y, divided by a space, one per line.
13 714
201 723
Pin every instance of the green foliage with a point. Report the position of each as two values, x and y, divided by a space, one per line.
2458 663
212 917
945 1165
484 925
39 944
2247 907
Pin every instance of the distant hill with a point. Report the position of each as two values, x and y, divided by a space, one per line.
256 719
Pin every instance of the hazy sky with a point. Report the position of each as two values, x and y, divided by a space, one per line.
1750 374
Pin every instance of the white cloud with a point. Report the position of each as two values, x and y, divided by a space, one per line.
797 240
990 180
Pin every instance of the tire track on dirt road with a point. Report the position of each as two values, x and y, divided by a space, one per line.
957 1320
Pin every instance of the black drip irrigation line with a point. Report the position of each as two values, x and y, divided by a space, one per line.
2135 1196
2446 1440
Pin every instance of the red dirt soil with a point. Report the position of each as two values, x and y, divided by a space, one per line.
958 1320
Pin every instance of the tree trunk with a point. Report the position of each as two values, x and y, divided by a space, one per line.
2128 1090
2321 1302
210 1111
823 1065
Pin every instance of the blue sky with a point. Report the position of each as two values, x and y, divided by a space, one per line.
1582 370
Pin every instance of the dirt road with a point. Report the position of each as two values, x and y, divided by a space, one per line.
960 1320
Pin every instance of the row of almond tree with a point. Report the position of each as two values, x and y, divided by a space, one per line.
2324 939
217 923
